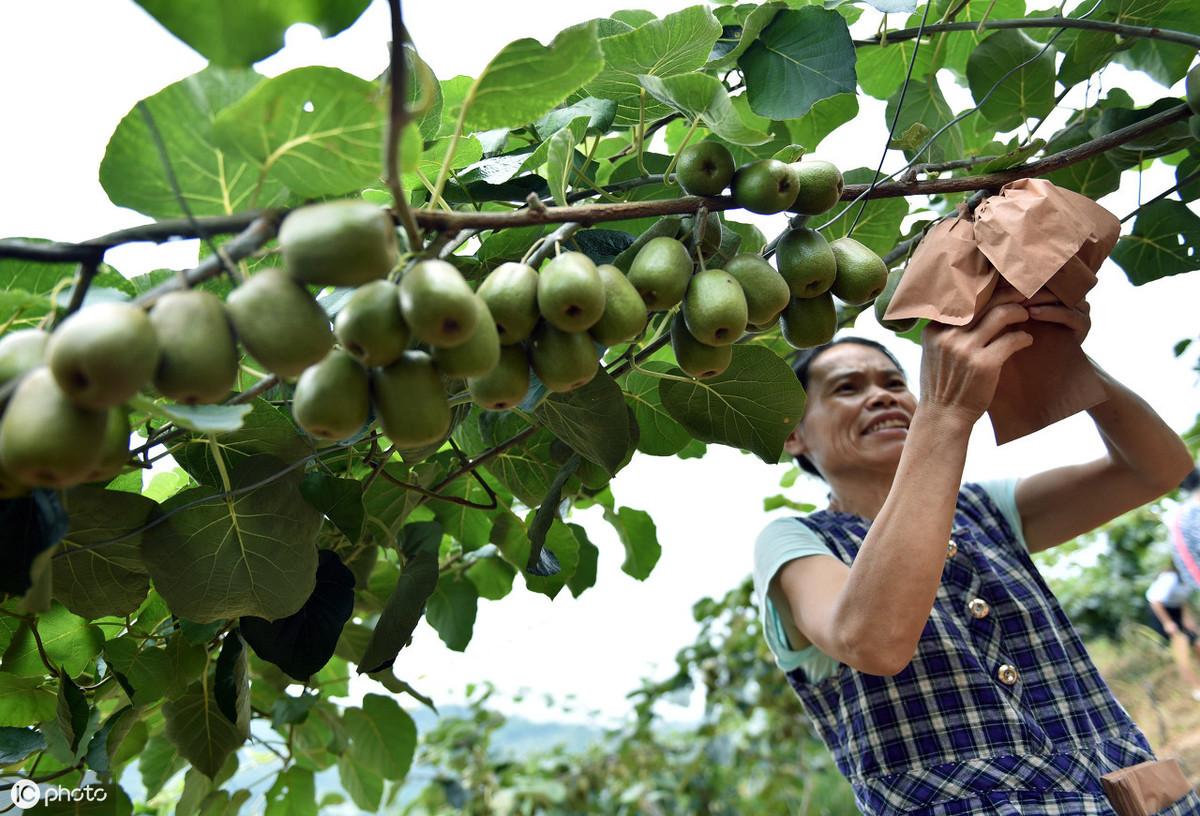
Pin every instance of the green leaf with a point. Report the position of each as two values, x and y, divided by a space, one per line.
598 114
1165 241
1089 51
753 405
242 32
382 736
405 605
492 577
912 138
340 500
250 554
879 227
452 610
388 505
467 150
364 785
881 68
538 562
703 97
563 546
924 103
70 642
158 762
93 578
527 79
231 682
18 743
803 56
429 122
470 526
23 701
1025 94
185 660
956 46
1094 177
1189 168
660 434
825 116
640 539
758 19
294 793
102 748
72 712
198 418
147 671
560 161
213 181
316 130
203 735
584 577
525 469
679 43
592 420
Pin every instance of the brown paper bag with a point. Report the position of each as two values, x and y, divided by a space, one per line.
1146 788
1046 242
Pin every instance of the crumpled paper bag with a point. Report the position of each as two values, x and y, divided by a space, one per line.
1046 242
1146 788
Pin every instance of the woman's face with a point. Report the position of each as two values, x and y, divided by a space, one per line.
858 411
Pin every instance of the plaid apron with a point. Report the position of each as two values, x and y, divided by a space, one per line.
1001 710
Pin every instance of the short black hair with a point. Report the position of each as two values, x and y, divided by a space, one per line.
1191 481
803 361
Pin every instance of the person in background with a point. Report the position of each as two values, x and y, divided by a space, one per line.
1169 593
908 616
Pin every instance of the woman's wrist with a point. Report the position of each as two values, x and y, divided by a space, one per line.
946 418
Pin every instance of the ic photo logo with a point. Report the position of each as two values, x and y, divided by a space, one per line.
25 794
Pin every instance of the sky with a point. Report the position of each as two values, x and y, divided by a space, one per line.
70 84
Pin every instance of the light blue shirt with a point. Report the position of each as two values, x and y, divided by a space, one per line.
784 540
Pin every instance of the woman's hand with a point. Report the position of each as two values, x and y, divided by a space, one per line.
960 366
1077 318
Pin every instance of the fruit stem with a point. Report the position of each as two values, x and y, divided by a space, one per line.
686 138
641 131
658 375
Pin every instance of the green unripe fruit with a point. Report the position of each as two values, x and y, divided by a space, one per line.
710 241
697 359
885 299
624 310
410 401
660 273
570 294
332 398
808 322
438 304
279 323
510 292
819 186
114 451
46 440
704 168
563 360
506 384
199 361
766 291
370 326
103 354
21 351
861 274
478 355
806 262
338 243
1191 88
714 308
765 186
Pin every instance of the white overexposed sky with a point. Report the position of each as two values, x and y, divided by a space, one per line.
74 68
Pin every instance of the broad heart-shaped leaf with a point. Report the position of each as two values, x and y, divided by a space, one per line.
363 784
23 701
881 68
18 743
303 642
804 55
1165 241
755 22
591 419
527 79
158 762
1026 93
1088 51
201 732
213 181
70 642
382 736
146 670
679 43
753 405
316 130
32 524
525 469
637 532
452 609
265 430
584 577
825 116
492 577
406 604
879 226
294 793
703 97
93 578
956 46
341 500
242 32
924 103
254 553
660 434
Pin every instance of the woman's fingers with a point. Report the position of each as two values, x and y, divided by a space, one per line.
1075 319
1005 346
996 320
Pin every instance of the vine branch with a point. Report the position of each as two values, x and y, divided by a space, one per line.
398 117
1121 29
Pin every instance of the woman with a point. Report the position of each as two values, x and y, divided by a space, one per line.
929 652
1168 597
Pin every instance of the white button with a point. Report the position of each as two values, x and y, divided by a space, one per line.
1007 675
951 549
979 608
